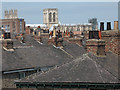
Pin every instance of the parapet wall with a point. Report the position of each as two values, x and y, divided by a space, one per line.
112 41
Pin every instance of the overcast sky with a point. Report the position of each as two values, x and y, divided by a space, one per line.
69 12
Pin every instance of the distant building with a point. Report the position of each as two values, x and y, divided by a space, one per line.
13 26
119 14
50 16
74 27
12 14
11 23
94 22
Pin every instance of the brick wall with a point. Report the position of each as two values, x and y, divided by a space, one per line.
14 25
112 41
76 40
96 46
86 34
27 30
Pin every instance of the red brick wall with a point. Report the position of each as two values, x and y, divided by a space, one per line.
112 40
27 30
76 40
96 46
86 35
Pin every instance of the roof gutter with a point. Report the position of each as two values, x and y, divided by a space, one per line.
68 85
15 71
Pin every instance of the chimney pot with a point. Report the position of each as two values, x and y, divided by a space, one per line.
38 26
108 25
54 33
115 25
101 26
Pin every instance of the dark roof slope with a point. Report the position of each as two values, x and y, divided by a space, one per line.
111 63
73 49
82 69
32 54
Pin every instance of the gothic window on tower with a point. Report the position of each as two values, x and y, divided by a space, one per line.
54 17
50 17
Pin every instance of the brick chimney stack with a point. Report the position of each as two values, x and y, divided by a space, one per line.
28 30
115 25
7 44
108 25
112 40
101 26
96 46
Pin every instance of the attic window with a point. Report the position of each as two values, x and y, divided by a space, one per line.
22 75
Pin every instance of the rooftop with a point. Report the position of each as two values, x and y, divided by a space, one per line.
86 68
32 55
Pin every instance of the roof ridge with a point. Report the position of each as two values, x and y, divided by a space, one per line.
96 67
104 68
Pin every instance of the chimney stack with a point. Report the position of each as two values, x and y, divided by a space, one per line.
115 25
101 26
7 44
96 47
108 25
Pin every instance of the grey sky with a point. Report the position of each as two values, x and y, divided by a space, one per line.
69 12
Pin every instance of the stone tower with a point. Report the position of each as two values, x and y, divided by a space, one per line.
50 16
6 14
11 14
15 13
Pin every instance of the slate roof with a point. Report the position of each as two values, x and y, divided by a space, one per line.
33 54
73 49
87 68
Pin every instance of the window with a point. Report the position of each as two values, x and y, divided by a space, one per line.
50 17
6 29
20 26
22 75
54 17
2 27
